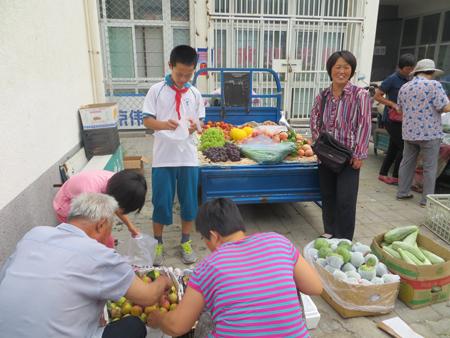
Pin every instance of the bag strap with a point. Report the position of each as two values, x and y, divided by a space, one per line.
322 107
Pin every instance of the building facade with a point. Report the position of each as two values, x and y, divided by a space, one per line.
294 38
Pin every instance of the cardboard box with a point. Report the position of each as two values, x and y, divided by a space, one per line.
352 300
420 285
135 163
100 115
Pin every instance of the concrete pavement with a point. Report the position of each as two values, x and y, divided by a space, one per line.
301 223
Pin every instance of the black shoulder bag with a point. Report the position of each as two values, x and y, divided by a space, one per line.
331 153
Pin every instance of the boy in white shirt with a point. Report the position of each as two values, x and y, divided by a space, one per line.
171 104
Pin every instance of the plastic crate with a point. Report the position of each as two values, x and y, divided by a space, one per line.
102 141
437 217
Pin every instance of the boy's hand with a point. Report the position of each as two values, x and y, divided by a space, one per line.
171 125
192 126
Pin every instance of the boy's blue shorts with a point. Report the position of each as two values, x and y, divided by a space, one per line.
164 182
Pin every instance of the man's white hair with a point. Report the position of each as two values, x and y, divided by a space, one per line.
93 207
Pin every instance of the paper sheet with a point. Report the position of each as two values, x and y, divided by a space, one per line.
399 327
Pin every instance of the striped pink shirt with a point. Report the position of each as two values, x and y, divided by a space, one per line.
347 118
249 288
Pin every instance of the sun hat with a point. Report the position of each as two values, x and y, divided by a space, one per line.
426 65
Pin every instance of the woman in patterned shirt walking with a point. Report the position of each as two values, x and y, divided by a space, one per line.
346 117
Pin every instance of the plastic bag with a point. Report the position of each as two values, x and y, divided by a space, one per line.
446 139
446 122
270 128
139 251
264 150
260 139
177 136
283 121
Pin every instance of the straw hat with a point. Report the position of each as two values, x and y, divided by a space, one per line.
426 65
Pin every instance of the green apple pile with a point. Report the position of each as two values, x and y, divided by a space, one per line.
125 307
352 262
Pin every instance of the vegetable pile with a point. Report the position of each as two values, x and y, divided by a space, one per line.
215 135
211 138
303 146
401 243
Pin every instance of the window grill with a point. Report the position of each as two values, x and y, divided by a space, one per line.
137 38
301 34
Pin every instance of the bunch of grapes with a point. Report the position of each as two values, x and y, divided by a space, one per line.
216 154
232 152
222 154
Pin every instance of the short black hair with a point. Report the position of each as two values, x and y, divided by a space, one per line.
347 56
221 215
183 54
129 189
406 60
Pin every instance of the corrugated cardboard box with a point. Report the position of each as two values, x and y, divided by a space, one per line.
100 115
420 285
135 163
352 300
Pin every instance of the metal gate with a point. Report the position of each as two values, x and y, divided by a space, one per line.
292 37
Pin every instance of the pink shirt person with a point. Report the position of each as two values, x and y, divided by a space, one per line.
126 186
87 181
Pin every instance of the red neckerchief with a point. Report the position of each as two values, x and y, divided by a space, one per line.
178 97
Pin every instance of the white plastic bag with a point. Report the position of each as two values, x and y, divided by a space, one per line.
270 128
446 139
446 122
283 122
177 136
139 251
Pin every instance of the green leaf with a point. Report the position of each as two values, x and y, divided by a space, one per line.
151 274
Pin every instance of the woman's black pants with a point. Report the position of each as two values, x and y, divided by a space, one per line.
339 194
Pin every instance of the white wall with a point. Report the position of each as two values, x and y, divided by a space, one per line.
45 77
203 34
422 7
368 40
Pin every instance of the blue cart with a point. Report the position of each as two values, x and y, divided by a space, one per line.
284 182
